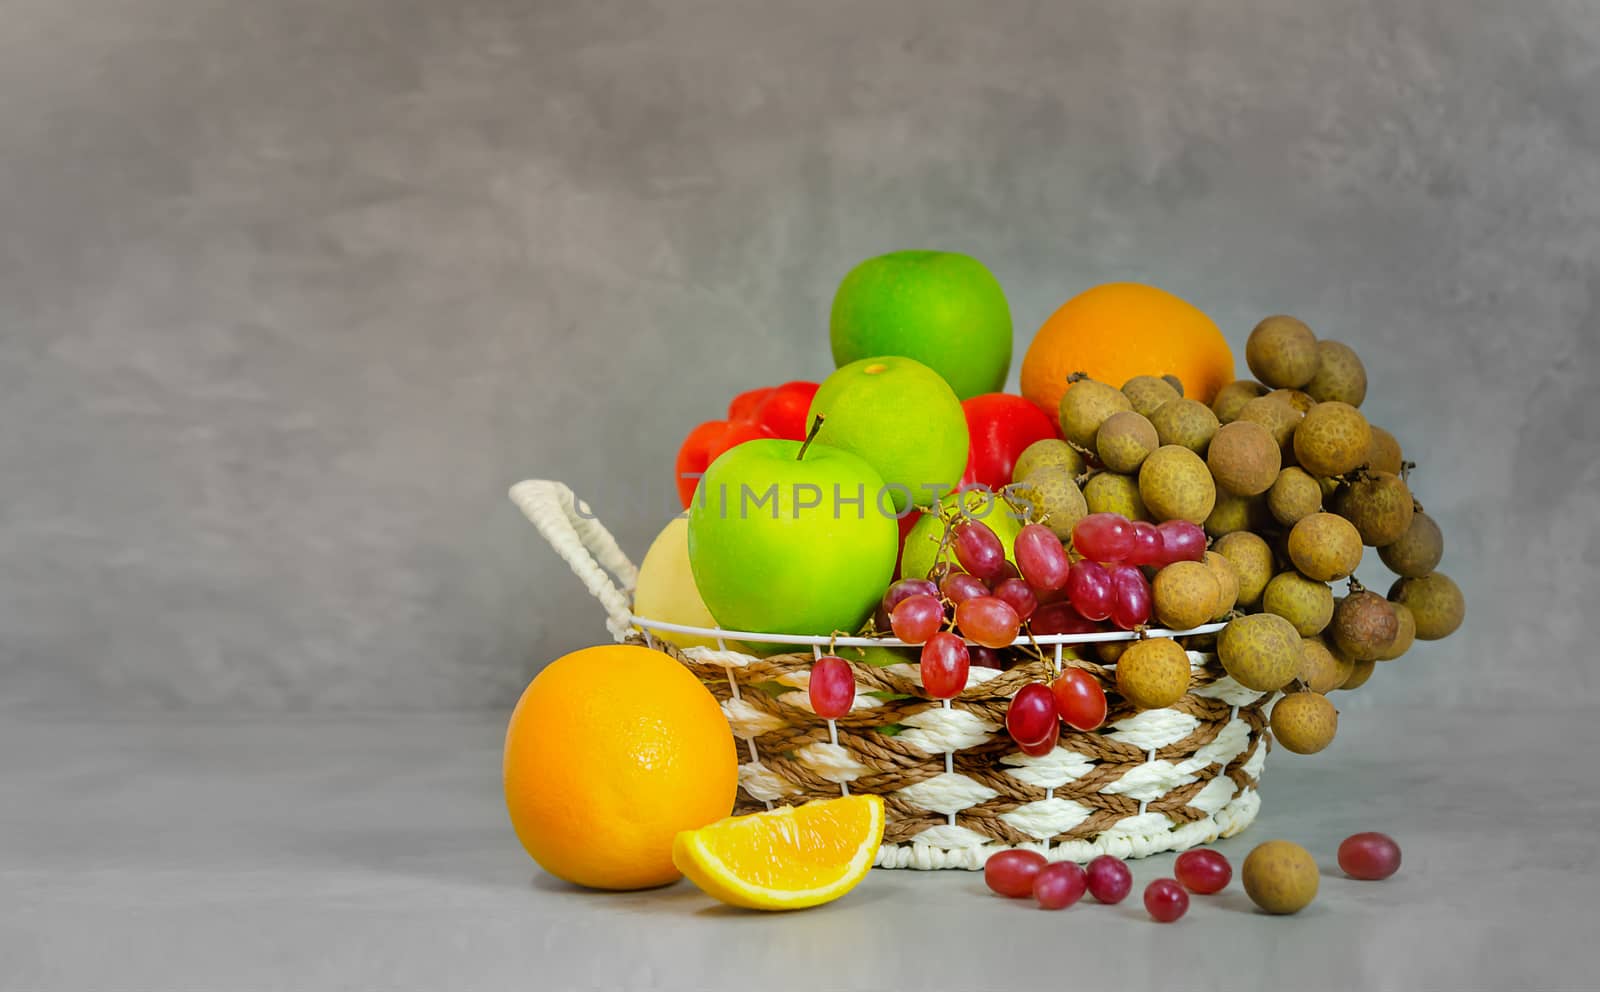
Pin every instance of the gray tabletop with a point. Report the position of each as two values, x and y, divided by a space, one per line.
374 852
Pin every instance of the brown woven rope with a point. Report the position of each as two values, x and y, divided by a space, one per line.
894 763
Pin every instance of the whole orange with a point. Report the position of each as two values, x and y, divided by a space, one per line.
1123 329
610 752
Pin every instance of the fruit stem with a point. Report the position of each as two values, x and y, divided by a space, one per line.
1356 586
816 426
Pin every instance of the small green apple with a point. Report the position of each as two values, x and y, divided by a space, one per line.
902 418
788 538
942 308
922 542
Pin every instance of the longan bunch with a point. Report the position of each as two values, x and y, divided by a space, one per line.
1291 484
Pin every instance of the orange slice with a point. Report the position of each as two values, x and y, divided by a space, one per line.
787 858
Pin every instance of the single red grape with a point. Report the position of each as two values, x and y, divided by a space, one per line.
833 687
916 618
959 586
1045 746
1080 700
1110 879
1130 606
1059 885
1182 541
1032 714
1041 558
983 657
1089 590
1370 856
1165 900
1016 594
978 549
944 665
988 620
1007 571
1104 537
1011 873
1148 546
905 589
1203 871
1060 618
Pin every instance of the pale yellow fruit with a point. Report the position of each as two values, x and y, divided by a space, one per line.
666 589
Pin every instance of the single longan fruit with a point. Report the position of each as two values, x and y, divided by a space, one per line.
1252 560
1383 451
1364 625
1325 546
1235 513
1295 494
1054 499
1149 393
1227 577
1332 439
1282 352
1379 504
1280 877
1185 595
1125 440
1279 418
1294 397
1109 651
1360 671
1111 492
1340 375
1260 651
1244 458
1176 485
1085 406
1048 451
1304 722
1153 674
1186 422
1305 603
1417 552
1320 668
1230 399
1406 634
1435 601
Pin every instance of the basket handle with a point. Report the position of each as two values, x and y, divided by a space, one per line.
585 544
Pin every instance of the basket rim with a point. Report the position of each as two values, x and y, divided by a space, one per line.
813 640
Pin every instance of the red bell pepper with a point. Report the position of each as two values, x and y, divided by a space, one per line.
1000 426
704 444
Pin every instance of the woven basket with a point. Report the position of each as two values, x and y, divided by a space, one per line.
955 787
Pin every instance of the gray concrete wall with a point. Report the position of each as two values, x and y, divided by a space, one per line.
293 290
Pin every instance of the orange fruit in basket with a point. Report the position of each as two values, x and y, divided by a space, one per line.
1123 329
786 858
610 753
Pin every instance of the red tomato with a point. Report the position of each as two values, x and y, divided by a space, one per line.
745 405
704 444
783 410
1001 426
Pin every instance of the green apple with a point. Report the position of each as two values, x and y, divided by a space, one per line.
922 542
787 538
944 309
903 419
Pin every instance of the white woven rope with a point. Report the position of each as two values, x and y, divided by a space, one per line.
586 546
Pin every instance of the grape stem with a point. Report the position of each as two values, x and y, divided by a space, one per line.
816 427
